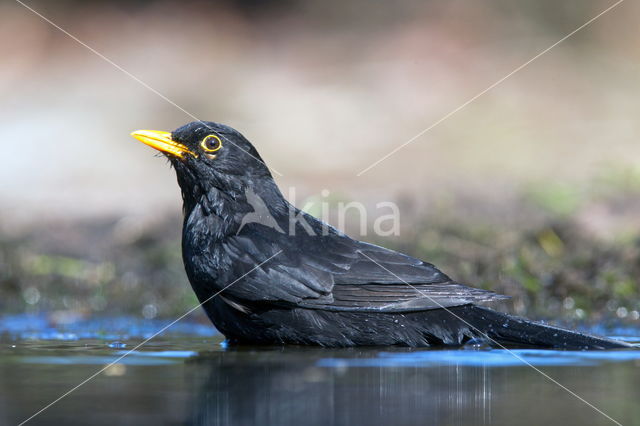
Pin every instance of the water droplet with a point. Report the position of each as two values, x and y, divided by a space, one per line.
149 311
569 303
31 295
477 343
117 345
622 312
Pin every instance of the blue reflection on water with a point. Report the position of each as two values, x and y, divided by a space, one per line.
167 354
96 360
488 358
131 358
40 326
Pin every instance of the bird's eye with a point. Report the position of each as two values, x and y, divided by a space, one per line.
211 143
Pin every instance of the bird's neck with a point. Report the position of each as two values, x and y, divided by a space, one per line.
226 208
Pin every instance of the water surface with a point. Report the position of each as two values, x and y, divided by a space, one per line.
188 376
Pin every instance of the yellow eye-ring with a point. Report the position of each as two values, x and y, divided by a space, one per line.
211 143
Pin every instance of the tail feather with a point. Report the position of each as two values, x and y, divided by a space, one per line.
513 331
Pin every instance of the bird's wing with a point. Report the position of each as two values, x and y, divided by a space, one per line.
335 272
384 280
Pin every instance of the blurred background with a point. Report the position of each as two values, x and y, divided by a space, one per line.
532 190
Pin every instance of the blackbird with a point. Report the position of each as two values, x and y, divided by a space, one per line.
268 273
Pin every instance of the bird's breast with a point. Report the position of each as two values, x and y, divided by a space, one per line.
202 251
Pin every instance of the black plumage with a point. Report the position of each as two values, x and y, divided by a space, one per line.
268 273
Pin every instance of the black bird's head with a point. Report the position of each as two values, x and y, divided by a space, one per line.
213 160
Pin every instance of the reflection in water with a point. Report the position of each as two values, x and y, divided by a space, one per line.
287 387
401 386
178 379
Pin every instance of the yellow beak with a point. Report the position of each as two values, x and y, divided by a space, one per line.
162 142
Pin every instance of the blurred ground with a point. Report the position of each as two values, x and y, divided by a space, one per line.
531 190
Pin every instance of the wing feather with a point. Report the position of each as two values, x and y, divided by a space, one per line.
335 272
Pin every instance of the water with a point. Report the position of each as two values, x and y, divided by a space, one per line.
188 376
